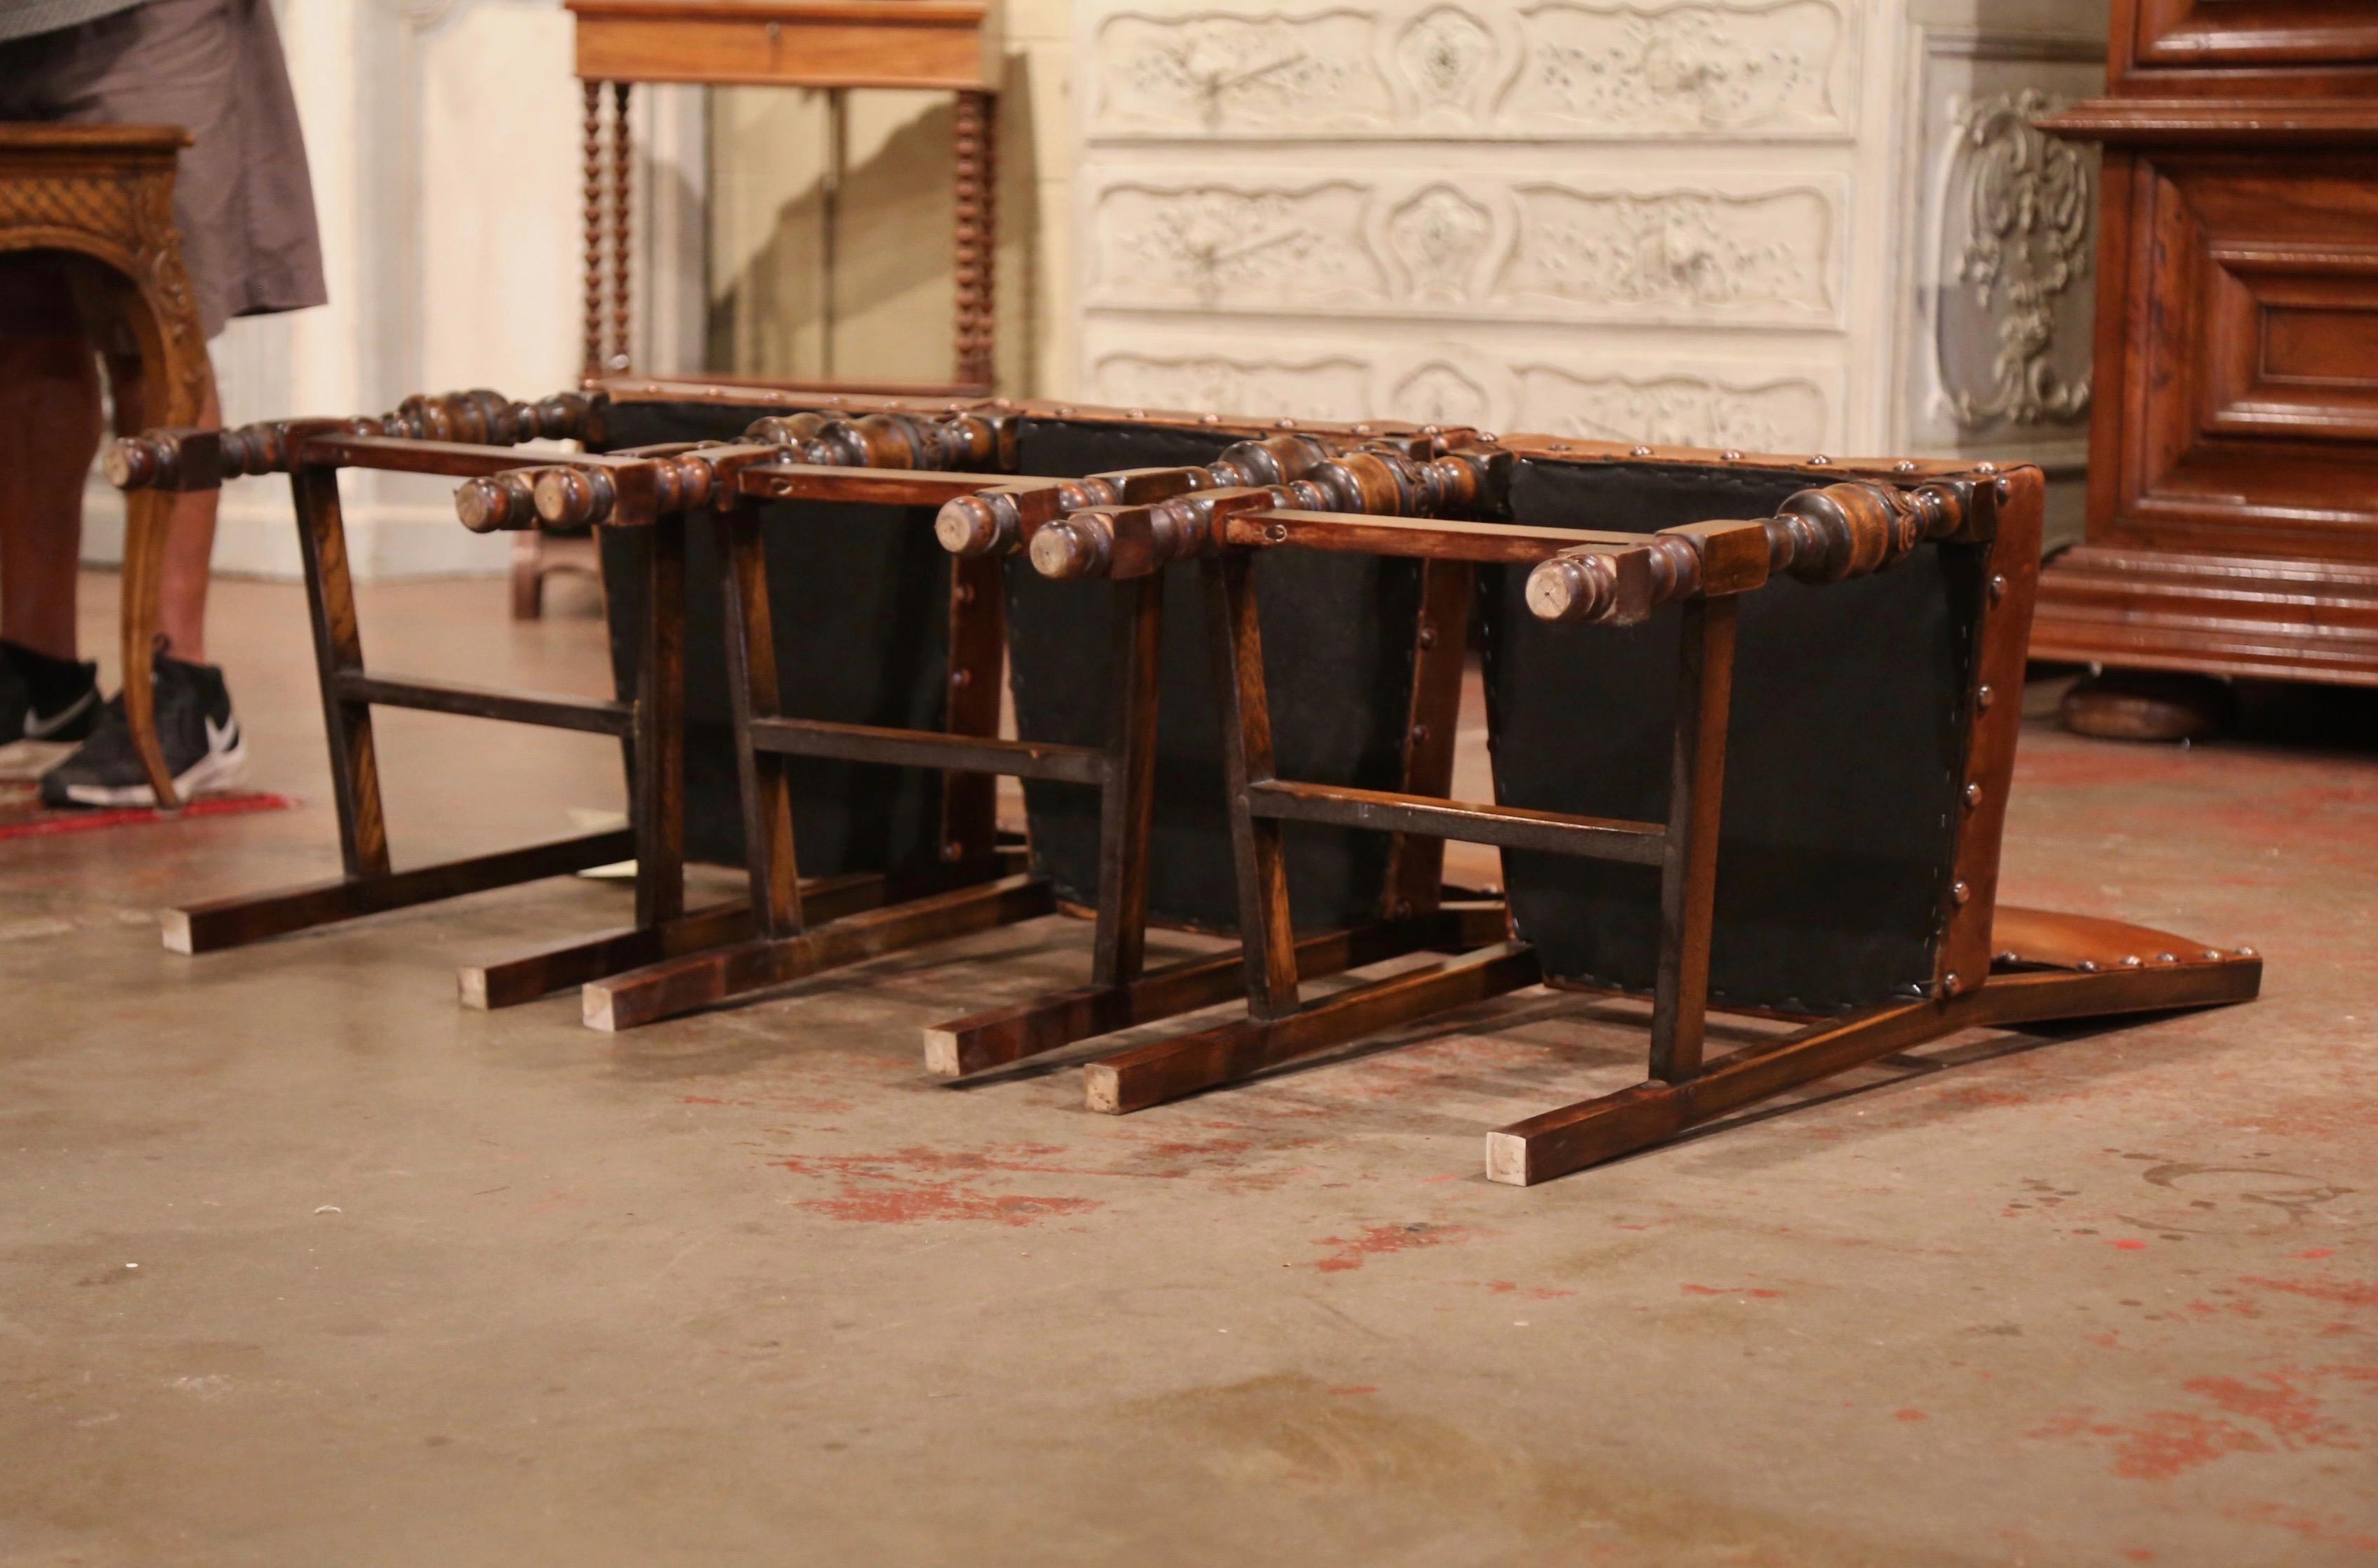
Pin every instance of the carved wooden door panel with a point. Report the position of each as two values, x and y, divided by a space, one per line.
2213 33
2253 357
2233 498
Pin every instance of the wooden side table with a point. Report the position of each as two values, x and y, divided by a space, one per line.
834 44
105 193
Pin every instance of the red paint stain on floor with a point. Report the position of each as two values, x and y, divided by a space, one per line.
901 1188
2344 1292
1378 1241
2327 1530
1762 1292
2280 1402
2128 1244
1531 1292
1977 1097
2160 1445
915 1203
779 1102
2261 1414
1909 1414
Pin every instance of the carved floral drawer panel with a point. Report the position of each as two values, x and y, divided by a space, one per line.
1559 70
1495 379
1582 249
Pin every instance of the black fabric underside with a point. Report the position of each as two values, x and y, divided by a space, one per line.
1845 754
1337 638
861 636
860 601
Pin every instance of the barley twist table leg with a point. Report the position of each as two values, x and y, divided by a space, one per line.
974 164
621 170
591 188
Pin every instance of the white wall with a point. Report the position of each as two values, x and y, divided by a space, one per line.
443 137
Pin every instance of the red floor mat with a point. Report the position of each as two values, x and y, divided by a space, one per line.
22 815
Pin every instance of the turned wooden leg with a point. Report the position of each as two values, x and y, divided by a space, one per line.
623 169
659 805
148 523
2164 705
590 209
976 168
765 786
528 575
1688 866
1441 642
1234 637
1591 1132
1127 801
339 650
978 652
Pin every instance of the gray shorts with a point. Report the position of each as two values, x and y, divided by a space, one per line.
241 197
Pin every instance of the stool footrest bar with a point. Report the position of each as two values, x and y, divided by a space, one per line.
1512 827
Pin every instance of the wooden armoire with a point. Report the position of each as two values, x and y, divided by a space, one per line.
2233 480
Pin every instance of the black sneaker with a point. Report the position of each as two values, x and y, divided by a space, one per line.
195 724
43 699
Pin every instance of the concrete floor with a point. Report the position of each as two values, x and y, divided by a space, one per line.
300 1265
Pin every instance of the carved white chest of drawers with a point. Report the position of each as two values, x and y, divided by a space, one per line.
1785 226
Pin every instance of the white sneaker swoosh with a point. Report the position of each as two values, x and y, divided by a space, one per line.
222 740
40 728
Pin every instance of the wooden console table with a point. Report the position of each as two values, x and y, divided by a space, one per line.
105 194
833 44
2233 479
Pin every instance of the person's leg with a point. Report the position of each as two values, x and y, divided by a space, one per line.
182 596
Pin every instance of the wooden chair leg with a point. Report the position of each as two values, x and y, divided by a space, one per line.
165 382
1235 639
1008 1035
658 807
339 649
1441 644
1591 1132
528 575
1688 868
253 917
703 979
765 787
1127 801
147 524
555 966
1169 1069
978 657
